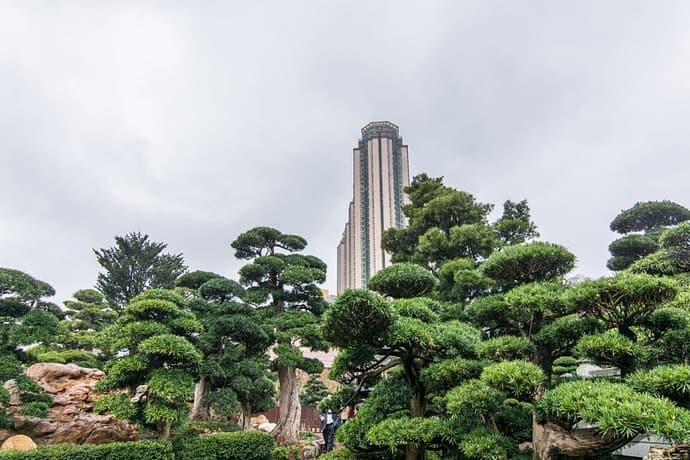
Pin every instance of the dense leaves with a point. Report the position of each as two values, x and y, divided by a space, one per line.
134 264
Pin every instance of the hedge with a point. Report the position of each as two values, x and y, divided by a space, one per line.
140 450
226 446
254 445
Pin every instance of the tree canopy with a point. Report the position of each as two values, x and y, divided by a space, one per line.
133 265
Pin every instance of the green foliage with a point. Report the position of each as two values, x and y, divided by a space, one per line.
505 347
614 408
313 392
518 379
158 353
528 263
623 300
611 348
397 432
357 316
565 364
648 215
117 404
670 381
441 376
254 445
474 397
36 409
403 280
194 280
140 450
10 367
630 248
484 445
514 226
133 265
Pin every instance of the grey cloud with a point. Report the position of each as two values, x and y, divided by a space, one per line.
194 122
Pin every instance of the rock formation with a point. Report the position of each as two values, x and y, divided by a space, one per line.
71 418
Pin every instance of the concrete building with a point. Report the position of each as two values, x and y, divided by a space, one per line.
380 172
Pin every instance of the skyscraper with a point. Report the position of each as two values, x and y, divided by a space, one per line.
381 171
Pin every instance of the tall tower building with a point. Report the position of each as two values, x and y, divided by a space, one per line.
381 171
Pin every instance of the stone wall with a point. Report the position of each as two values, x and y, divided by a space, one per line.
679 452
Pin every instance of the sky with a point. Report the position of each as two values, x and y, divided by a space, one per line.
195 121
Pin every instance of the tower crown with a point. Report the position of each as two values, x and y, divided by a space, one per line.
380 128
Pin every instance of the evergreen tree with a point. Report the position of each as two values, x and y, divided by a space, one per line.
641 226
283 284
234 344
155 361
313 392
133 265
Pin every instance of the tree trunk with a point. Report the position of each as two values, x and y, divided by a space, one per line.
164 430
246 416
199 410
550 441
417 409
546 360
286 431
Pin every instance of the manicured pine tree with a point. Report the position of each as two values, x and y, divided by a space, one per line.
283 285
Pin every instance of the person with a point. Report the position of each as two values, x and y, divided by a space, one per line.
330 422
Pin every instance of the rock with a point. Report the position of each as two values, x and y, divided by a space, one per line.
267 427
18 442
310 452
139 393
70 418
259 419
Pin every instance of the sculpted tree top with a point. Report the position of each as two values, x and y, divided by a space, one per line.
134 264
642 225
284 285
233 373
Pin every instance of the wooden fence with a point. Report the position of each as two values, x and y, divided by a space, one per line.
309 420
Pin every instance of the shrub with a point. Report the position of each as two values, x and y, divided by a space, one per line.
141 450
254 445
36 409
506 347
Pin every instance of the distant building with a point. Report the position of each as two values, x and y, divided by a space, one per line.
380 171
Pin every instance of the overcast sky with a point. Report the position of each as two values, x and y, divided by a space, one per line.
195 121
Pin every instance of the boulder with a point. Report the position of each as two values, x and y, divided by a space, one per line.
18 442
267 427
70 418
259 419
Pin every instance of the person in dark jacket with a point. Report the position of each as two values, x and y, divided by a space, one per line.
330 422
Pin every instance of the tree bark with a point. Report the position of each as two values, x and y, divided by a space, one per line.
246 416
550 440
199 410
286 431
417 409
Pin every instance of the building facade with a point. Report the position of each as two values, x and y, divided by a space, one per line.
380 173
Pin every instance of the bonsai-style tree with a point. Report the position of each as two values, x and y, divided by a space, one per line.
641 226
76 343
26 318
133 265
155 361
313 392
673 255
234 371
406 338
283 285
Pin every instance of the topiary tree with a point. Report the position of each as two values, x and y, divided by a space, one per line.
283 284
642 225
234 371
155 361
612 415
406 337
76 342
313 392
